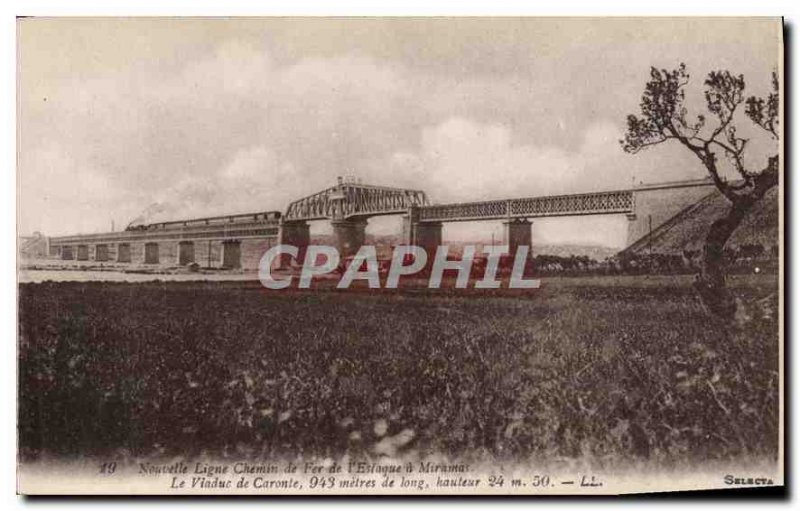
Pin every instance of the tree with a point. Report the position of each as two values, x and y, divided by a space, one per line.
716 143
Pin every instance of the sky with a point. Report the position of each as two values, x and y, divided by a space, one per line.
221 116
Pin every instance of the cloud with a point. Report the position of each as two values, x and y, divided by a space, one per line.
56 189
462 159
223 117
254 179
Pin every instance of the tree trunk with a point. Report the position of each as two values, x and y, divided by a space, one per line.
710 283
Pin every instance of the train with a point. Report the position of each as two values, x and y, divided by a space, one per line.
245 218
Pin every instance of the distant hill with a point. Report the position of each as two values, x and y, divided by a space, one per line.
385 243
688 229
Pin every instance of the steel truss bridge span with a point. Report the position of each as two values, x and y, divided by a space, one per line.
597 203
353 200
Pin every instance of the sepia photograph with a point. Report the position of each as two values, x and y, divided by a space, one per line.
399 255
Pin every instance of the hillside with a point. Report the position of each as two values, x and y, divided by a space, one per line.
688 229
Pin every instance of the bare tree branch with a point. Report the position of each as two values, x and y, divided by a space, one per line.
663 117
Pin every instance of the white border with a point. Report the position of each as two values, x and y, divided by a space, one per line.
11 9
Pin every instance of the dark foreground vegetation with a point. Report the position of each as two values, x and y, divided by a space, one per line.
608 374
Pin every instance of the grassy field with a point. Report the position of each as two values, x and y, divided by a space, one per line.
598 369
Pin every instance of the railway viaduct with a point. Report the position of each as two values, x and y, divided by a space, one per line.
226 241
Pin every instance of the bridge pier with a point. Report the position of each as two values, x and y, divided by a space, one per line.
185 252
296 234
426 235
350 235
518 233
67 252
232 254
